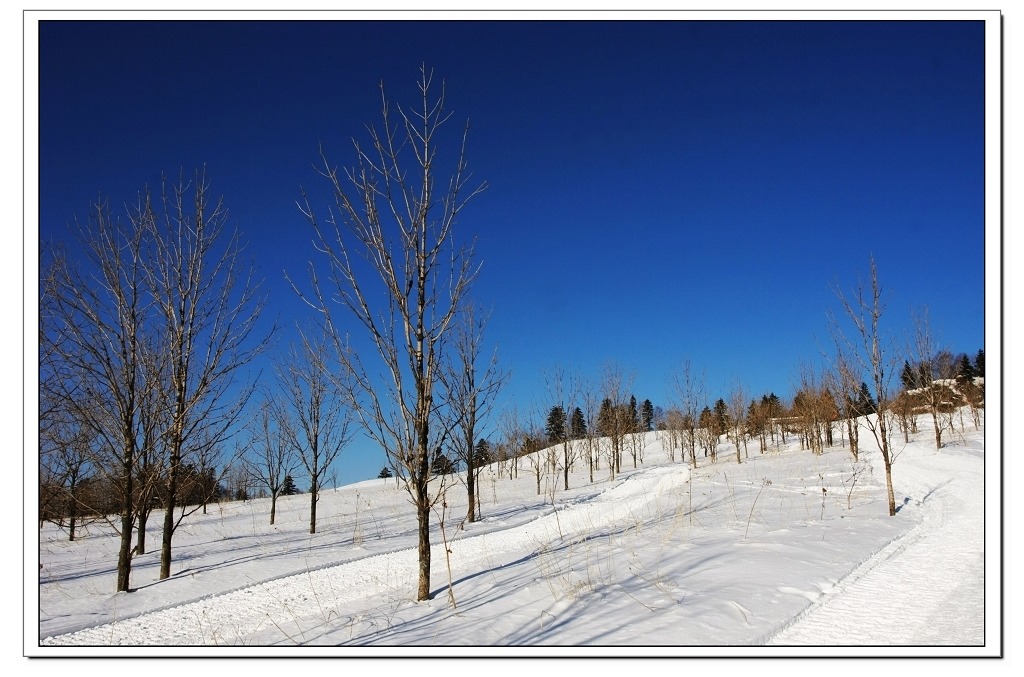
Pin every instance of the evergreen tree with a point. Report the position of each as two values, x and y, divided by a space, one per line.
577 425
385 473
634 417
865 403
606 418
979 363
907 377
442 465
964 368
647 416
721 420
288 487
555 426
482 453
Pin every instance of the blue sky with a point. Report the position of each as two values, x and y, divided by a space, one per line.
657 190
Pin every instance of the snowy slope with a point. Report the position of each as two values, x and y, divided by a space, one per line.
753 558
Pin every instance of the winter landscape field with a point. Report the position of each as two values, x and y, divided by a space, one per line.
787 553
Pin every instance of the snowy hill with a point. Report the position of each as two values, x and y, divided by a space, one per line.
785 550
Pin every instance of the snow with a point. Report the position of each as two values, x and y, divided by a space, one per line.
785 554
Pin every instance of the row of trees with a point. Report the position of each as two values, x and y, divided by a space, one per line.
143 335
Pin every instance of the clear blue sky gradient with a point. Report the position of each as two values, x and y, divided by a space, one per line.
658 191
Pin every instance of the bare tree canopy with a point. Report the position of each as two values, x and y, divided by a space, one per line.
470 386
208 302
312 414
93 335
871 349
397 270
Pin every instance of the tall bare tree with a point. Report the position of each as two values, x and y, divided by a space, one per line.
94 329
396 268
871 347
208 303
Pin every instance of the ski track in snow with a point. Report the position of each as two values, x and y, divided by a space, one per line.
318 594
894 595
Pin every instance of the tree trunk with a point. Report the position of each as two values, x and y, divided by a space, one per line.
72 510
938 427
565 469
169 506
888 487
140 543
479 502
888 464
273 505
423 519
124 555
312 507
470 483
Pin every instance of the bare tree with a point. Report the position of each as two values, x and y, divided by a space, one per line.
689 393
708 432
534 441
94 328
270 456
312 414
738 416
926 351
871 348
613 416
672 434
813 407
847 385
757 422
208 303
591 409
388 215
470 392
66 470
563 390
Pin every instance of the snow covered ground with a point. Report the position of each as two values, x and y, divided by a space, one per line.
784 554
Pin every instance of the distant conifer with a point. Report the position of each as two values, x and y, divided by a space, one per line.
288 487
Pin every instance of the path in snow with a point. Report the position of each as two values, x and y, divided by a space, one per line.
895 597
